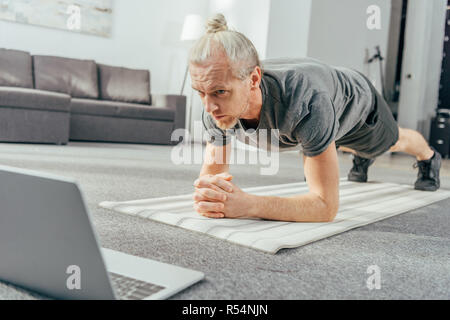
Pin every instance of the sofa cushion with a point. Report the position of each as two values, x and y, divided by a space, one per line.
78 78
34 99
125 85
15 69
120 109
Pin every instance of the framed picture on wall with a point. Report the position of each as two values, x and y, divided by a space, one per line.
83 16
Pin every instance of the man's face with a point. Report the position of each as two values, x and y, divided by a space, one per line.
224 96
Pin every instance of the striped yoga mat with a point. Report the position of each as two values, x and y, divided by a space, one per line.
360 204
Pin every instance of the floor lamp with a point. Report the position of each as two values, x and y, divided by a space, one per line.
193 29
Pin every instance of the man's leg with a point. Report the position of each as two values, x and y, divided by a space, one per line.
413 143
428 159
345 149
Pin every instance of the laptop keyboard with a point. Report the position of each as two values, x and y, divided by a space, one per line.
132 289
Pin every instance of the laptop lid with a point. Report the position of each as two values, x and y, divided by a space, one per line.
47 242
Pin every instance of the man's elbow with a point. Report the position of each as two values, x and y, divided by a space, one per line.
330 215
330 211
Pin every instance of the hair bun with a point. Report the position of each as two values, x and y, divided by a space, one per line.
216 24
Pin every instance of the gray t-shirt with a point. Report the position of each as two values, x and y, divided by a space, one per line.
310 103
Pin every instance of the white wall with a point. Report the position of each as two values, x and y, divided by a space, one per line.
339 34
250 17
288 28
145 35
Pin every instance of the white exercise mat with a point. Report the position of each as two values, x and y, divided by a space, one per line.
360 204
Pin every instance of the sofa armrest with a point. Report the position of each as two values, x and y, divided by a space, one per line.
175 102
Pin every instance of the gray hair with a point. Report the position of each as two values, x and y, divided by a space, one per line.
239 49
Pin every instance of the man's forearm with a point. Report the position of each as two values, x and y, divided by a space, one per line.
213 169
216 160
303 208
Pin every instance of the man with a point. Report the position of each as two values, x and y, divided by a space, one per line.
313 105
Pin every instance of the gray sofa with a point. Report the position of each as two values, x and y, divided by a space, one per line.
50 99
28 114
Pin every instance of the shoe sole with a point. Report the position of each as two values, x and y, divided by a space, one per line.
427 188
355 178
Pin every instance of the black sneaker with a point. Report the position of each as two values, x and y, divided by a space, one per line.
428 175
358 172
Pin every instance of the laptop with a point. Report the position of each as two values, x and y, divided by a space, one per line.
48 245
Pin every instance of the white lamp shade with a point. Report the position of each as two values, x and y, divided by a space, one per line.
193 27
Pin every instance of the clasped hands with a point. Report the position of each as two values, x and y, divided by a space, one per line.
217 197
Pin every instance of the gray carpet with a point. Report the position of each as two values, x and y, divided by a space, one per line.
412 249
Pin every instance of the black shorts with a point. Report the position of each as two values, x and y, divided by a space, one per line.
377 134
